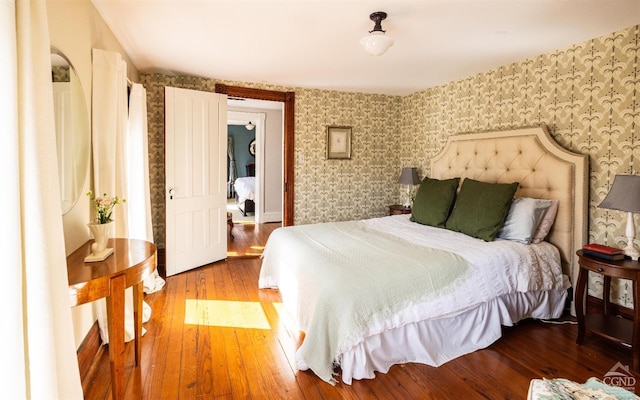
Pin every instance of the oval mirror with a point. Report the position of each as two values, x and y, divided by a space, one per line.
73 135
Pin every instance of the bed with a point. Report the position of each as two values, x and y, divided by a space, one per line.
245 194
374 293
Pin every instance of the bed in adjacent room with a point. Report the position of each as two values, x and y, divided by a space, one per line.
245 194
491 240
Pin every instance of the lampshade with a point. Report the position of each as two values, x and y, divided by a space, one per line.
250 126
624 194
376 42
409 176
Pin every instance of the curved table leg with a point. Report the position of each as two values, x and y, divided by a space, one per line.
580 303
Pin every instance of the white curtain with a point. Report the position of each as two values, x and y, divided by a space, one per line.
36 340
139 200
114 158
233 170
109 127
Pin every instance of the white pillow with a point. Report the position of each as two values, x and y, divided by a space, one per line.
524 217
546 223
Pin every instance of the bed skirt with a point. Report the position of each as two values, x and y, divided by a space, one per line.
455 336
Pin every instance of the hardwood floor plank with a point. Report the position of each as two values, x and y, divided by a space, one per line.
403 384
414 381
204 356
154 342
171 378
99 385
220 375
236 368
199 361
233 351
133 387
279 373
188 362
247 338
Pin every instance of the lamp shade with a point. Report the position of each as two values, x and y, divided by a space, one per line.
409 176
624 194
250 126
376 43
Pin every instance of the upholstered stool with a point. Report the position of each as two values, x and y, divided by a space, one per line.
230 223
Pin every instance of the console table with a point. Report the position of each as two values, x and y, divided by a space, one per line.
131 262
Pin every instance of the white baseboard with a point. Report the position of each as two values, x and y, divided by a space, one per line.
271 217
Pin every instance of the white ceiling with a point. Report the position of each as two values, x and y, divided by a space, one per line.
314 43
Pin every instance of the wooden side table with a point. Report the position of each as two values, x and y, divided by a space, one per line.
131 262
397 209
620 330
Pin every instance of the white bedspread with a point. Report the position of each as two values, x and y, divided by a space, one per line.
245 188
494 269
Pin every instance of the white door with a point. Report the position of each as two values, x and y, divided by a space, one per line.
195 177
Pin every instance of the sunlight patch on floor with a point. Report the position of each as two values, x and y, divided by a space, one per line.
254 251
289 322
236 314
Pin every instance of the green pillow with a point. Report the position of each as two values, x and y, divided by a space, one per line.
481 208
433 201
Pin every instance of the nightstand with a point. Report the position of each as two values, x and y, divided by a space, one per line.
397 209
609 326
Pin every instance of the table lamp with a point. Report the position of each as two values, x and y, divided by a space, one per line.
409 178
624 195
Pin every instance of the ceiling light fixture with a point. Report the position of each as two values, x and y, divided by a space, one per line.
376 42
250 126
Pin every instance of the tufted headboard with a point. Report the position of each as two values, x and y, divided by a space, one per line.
544 170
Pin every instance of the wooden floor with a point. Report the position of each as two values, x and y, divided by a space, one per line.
248 239
197 361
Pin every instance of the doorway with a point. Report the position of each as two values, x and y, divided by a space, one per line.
255 175
241 172
288 98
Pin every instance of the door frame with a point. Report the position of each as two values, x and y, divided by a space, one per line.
288 98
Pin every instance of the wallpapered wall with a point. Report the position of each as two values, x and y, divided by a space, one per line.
325 190
587 95
362 187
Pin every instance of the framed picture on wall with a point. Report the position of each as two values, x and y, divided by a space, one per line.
338 142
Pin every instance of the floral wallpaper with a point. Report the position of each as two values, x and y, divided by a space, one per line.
325 190
60 74
587 95
361 187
